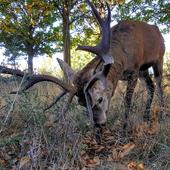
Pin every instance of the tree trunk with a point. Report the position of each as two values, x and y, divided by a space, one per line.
30 64
66 33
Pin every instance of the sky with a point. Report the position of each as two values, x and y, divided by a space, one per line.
38 61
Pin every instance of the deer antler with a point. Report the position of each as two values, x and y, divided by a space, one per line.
103 47
101 50
34 79
62 94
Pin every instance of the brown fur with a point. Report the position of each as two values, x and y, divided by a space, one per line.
135 46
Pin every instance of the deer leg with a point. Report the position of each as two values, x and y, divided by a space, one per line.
158 77
150 87
132 81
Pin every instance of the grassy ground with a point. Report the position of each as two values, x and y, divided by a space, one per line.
31 138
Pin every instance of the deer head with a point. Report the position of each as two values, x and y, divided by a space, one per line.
89 84
97 91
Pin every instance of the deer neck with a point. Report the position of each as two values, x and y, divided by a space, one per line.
118 67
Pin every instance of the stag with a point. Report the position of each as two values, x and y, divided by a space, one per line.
125 52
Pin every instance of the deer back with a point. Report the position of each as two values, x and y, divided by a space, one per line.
135 43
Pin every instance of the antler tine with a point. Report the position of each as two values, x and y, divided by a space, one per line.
95 12
103 47
62 94
67 104
109 13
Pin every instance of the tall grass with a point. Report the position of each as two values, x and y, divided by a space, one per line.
31 138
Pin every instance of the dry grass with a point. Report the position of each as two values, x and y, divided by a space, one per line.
33 139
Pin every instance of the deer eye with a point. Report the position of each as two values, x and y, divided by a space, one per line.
100 100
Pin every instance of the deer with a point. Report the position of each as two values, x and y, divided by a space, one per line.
125 52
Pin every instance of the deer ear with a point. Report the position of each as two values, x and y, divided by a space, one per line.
68 72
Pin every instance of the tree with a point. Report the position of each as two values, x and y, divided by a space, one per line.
69 13
74 15
153 11
26 29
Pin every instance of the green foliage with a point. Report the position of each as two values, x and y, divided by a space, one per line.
90 36
32 28
156 11
80 59
26 28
